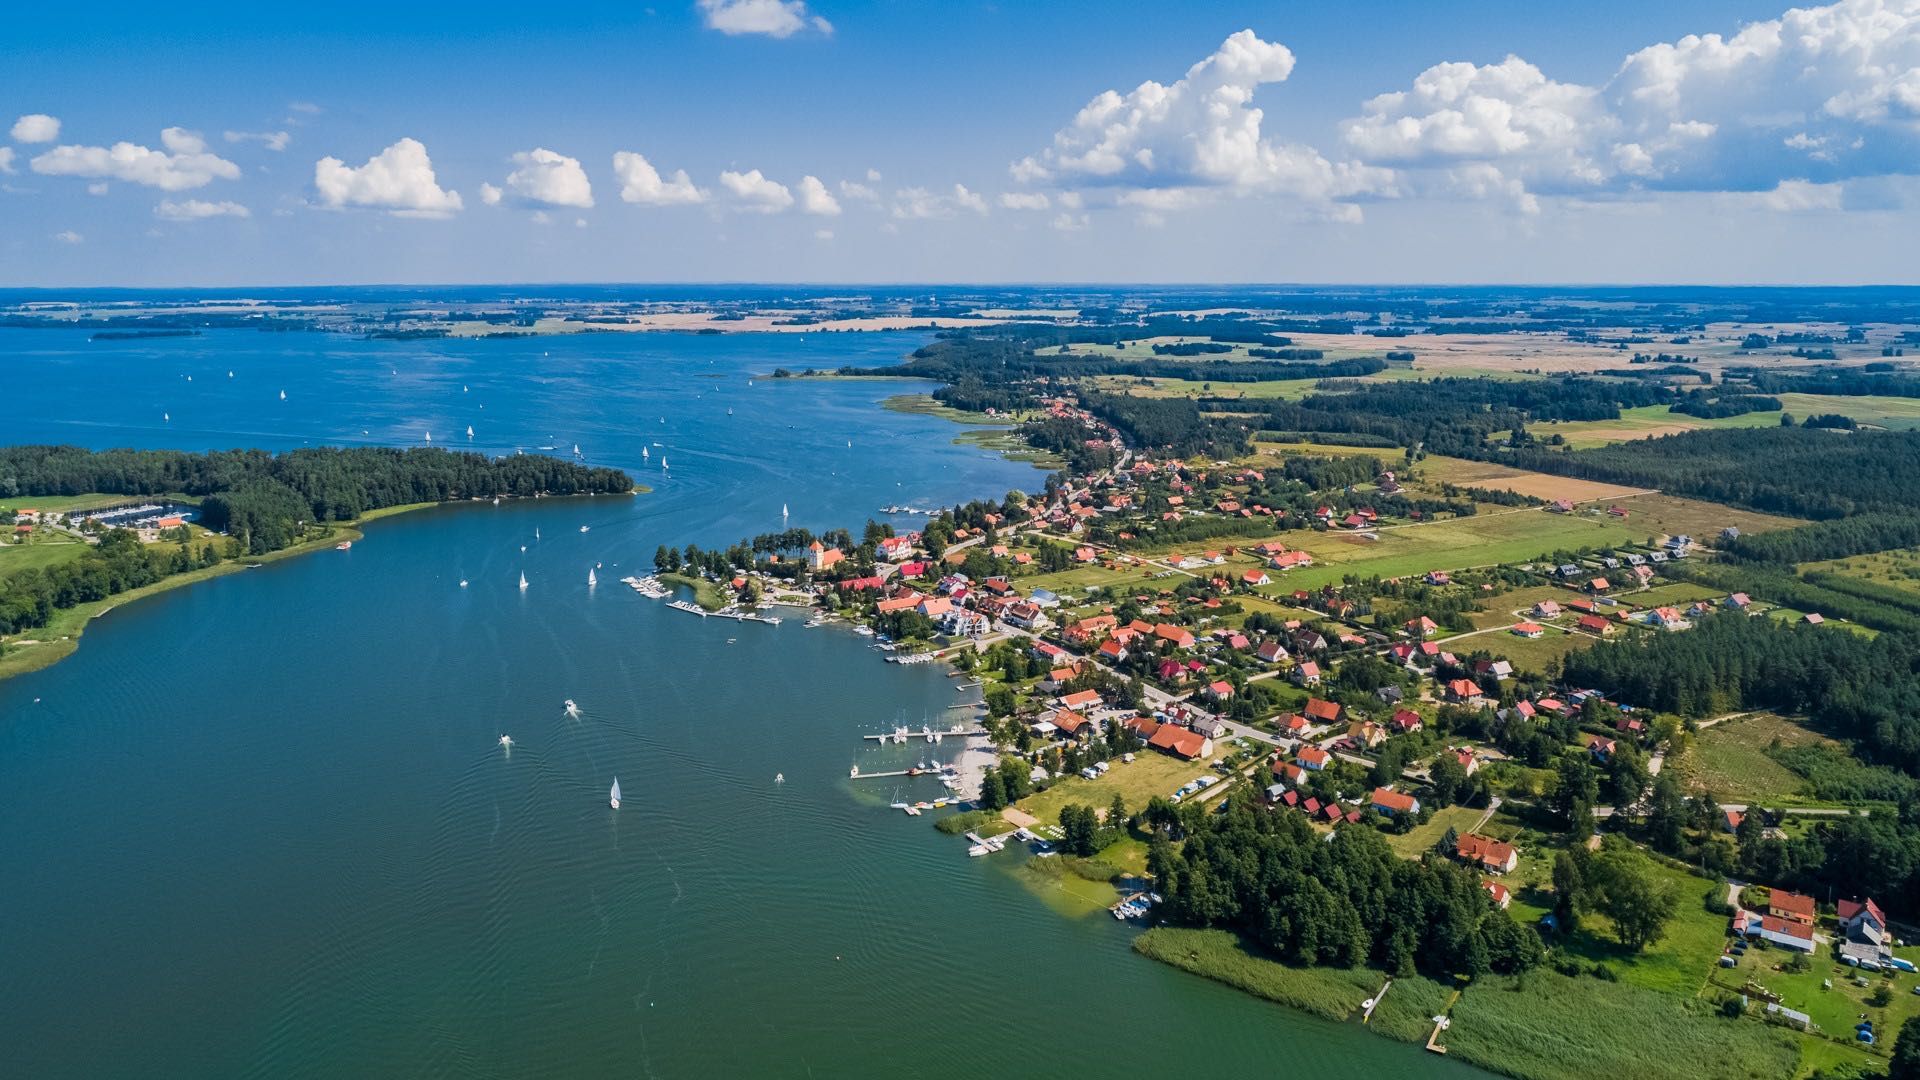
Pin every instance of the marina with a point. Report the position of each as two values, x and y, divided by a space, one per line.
724 613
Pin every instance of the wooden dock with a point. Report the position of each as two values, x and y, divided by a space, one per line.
903 735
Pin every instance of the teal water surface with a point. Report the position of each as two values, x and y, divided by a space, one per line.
261 826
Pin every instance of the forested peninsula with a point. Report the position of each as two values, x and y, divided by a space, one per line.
252 504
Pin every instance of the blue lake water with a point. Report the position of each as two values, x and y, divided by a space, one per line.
260 826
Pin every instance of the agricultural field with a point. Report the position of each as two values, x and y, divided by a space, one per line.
1495 477
1644 422
1671 515
1730 759
1507 536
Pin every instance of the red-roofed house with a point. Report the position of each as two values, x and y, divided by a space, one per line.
1487 853
1177 636
1313 758
1796 907
1421 627
1071 723
1082 699
1389 801
1220 690
1255 577
1529 629
1594 624
1501 897
1789 933
1406 721
1180 742
1322 712
1465 691
1306 673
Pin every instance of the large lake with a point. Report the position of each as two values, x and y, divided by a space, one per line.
261 825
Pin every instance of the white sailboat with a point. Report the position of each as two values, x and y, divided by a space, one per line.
613 796
536 534
591 579
584 528
469 431
283 395
576 449
663 462
429 436
229 374
523 581
167 416
644 455
783 515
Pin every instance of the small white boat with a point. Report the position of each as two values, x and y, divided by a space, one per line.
469 431
576 449
779 778
463 583
506 741
592 580
229 374
496 500
523 581
572 709
644 455
584 528
613 797
663 462
283 395
167 416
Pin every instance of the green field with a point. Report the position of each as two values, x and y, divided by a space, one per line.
1730 759
46 548
1900 414
1150 773
1420 839
1532 654
1454 544
1897 569
1836 1008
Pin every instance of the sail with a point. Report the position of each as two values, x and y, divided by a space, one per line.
591 580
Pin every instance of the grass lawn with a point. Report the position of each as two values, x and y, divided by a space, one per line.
1729 759
1834 1009
1532 654
1452 544
1150 773
1501 608
1420 840
1679 962
1671 594
45 548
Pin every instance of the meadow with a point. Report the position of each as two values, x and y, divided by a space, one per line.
1730 759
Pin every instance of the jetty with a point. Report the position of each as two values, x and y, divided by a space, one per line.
724 613
649 587
902 734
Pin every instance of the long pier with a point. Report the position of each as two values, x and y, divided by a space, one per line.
740 616
904 735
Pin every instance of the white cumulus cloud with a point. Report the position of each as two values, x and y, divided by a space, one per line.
196 209
36 128
1201 132
183 163
752 191
6 159
1818 96
816 199
68 236
489 194
543 177
771 18
399 180
1024 200
641 183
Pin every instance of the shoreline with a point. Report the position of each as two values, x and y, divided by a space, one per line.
69 625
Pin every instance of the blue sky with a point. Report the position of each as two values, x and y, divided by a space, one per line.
898 141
